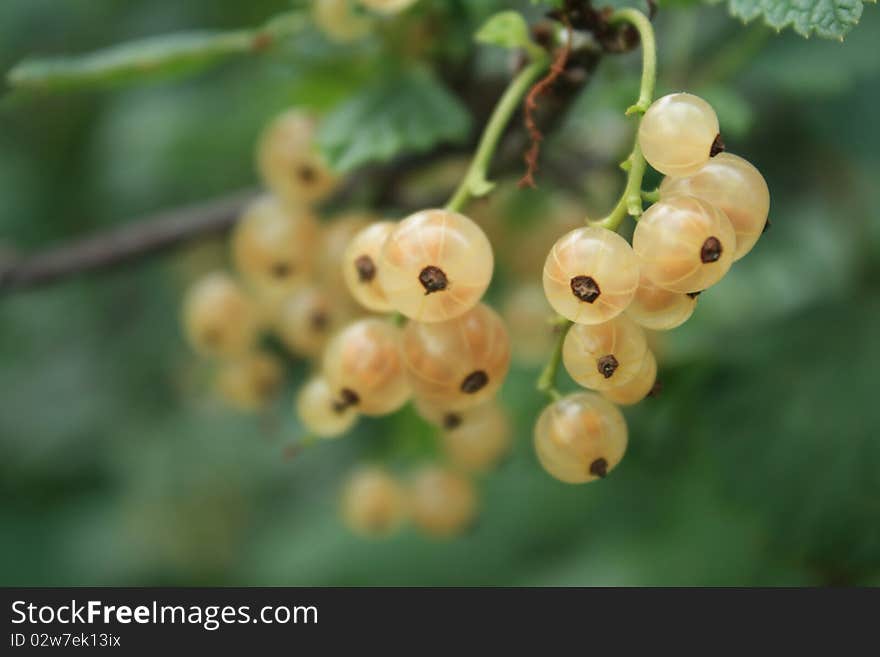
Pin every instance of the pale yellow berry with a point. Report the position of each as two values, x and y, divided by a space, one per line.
364 366
580 438
435 265
321 412
659 309
590 275
735 187
250 382
527 314
442 503
372 502
684 244
388 6
677 132
336 235
360 266
305 321
218 317
273 246
477 439
638 387
602 356
289 160
460 363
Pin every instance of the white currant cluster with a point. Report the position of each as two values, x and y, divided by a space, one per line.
712 209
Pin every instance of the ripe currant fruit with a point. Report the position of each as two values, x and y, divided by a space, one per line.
435 265
477 439
305 321
321 411
580 438
684 244
219 320
273 246
603 356
442 502
360 264
638 387
590 275
372 502
251 382
659 309
459 363
677 134
336 235
735 187
364 366
290 162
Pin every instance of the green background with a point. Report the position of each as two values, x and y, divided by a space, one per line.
760 463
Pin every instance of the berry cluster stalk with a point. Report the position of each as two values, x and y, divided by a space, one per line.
547 380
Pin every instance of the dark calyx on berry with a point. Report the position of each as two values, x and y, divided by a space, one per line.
366 268
474 382
585 288
599 468
451 421
607 365
711 250
433 279
656 389
319 321
766 226
717 146
347 399
281 270
306 174
694 295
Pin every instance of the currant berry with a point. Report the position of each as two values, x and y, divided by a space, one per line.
677 134
590 275
659 309
684 244
387 6
372 502
442 502
289 160
321 411
364 366
638 387
219 319
306 319
476 440
526 313
606 355
459 363
336 235
435 265
251 382
360 266
580 438
273 246
735 187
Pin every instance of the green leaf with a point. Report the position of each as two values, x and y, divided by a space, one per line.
507 29
830 19
407 112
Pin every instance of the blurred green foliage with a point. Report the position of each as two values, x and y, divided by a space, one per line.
760 463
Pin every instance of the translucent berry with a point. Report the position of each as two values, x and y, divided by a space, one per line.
289 160
527 313
273 246
677 133
321 411
360 266
605 355
251 382
590 275
684 244
580 438
442 502
459 363
735 187
638 387
477 439
435 265
305 321
218 318
387 6
336 235
364 366
659 309
372 502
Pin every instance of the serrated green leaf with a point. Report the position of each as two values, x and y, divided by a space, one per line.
507 29
404 113
830 19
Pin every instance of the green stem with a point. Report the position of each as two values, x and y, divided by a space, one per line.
649 56
652 196
475 183
547 381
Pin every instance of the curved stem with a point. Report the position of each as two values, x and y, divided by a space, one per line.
547 381
475 182
649 55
